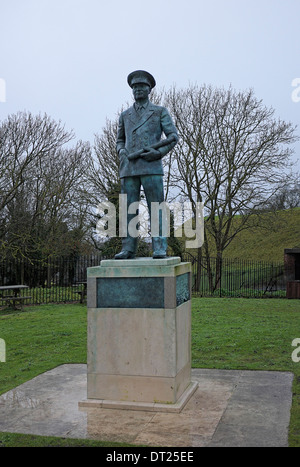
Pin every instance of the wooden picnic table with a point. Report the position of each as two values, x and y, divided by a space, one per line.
14 296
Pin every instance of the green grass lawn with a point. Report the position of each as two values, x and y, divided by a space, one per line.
250 334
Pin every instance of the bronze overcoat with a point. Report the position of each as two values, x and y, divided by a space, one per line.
136 132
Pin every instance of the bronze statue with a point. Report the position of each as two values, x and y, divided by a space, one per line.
140 149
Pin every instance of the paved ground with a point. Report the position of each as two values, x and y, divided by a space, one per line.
229 408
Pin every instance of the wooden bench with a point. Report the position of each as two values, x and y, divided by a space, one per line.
11 300
81 293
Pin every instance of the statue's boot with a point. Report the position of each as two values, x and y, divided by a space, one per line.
159 245
124 254
129 248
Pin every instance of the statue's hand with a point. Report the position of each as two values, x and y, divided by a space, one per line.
150 154
123 152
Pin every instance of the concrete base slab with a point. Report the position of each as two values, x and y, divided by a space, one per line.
229 408
146 406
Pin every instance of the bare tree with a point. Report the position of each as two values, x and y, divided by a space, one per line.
41 185
232 156
104 173
23 139
288 197
57 191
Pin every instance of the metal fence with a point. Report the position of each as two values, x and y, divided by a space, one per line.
52 280
58 279
237 278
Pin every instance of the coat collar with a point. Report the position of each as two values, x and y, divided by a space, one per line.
137 120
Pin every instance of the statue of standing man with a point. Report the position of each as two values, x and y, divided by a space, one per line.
140 149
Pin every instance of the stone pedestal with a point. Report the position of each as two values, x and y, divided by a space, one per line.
139 334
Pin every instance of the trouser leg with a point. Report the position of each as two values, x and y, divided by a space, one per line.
131 187
154 192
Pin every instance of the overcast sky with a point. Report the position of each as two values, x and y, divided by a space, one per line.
71 58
